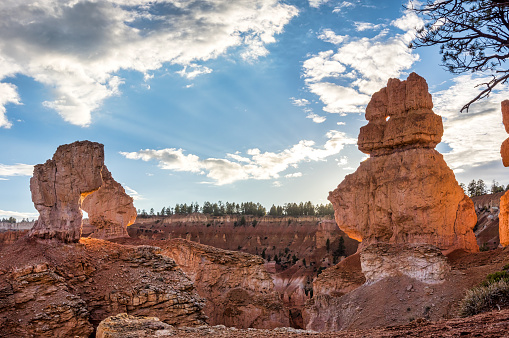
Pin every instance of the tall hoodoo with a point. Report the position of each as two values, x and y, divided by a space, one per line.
503 216
59 186
404 193
110 210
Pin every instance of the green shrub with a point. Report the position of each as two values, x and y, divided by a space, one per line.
495 277
485 298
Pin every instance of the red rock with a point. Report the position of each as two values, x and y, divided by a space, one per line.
503 218
505 114
59 186
110 210
405 193
400 116
504 152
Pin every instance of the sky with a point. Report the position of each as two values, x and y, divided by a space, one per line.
219 100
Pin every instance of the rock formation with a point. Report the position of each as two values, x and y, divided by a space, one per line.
74 179
404 193
59 187
110 210
239 291
504 200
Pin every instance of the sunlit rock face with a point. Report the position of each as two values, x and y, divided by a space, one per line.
110 210
404 193
503 216
59 186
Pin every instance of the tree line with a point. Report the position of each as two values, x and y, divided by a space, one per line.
478 188
245 208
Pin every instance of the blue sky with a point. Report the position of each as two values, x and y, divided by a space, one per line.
218 100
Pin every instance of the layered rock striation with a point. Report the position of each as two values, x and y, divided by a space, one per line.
404 193
55 290
110 210
59 186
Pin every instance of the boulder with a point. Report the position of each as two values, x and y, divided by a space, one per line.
110 210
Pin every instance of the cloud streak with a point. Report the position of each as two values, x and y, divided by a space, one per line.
17 169
77 47
254 165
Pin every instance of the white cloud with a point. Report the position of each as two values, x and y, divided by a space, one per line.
298 174
8 94
76 47
322 66
133 193
328 35
317 3
341 123
409 22
363 26
196 70
299 102
316 118
474 137
345 79
342 161
344 4
254 165
17 169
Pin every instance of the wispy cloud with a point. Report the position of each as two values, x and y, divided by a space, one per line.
17 169
77 47
133 193
341 6
363 26
316 118
294 175
253 165
299 102
317 3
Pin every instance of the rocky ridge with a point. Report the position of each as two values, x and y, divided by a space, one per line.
237 288
66 289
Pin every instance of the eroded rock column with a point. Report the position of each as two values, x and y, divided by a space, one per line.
503 217
404 195
59 186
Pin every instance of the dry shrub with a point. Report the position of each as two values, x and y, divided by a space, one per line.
485 298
